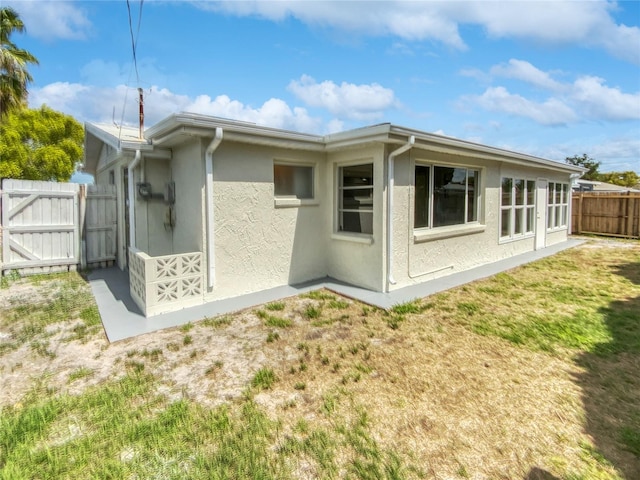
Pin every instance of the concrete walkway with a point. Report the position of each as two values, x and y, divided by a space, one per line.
123 319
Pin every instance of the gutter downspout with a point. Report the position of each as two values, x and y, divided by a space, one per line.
132 199
208 165
390 186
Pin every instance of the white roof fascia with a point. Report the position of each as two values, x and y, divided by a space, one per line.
191 124
358 137
452 145
194 124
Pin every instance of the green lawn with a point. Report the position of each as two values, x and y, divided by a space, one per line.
529 374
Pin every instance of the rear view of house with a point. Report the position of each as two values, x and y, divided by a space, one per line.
211 208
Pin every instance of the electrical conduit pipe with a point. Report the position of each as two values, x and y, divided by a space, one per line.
208 165
132 199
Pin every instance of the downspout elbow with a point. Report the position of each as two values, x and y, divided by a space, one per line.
390 185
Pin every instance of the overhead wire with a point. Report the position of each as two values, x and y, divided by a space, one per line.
134 46
134 41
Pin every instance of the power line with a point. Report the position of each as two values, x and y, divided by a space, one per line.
134 40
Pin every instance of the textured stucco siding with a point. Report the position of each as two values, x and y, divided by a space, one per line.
361 264
259 245
188 173
418 261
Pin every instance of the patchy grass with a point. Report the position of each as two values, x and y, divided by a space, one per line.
529 374
273 320
61 297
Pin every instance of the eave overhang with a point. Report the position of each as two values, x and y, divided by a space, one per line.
177 128
394 136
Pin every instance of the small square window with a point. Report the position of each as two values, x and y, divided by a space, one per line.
293 181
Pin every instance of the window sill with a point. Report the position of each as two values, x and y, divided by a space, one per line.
557 229
516 238
420 236
353 237
292 202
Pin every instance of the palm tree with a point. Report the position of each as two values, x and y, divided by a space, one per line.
14 61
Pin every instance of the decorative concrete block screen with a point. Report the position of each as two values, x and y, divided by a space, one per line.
165 283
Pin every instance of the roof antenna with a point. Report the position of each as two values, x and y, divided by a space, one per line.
141 112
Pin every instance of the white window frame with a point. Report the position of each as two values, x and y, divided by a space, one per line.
515 210
292 200
429 232
558 207
339 210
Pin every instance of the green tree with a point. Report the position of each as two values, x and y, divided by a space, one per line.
587 162
625 179
14 76
40 144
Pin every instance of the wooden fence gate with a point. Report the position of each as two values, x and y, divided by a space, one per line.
49 226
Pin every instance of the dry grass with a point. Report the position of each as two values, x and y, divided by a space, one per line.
484 381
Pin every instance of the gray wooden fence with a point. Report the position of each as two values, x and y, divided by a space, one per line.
49 226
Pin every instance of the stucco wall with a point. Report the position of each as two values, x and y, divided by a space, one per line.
419 260
152 236
349 259
188 173
259 245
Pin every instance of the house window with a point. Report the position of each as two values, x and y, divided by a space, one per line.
293 181
445 196
355 198
557 206
517 207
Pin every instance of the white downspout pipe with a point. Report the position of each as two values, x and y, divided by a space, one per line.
208 165
390 186
132 199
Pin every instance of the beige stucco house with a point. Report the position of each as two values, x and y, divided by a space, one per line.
211 208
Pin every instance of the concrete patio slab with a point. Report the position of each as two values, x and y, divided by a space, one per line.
123 319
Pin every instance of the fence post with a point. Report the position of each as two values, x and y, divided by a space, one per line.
629 223
580 196
82 197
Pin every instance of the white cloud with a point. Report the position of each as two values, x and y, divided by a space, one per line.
52 20
552 22
347 100
615 154
522 70
587 98
600 101
120 104
407 20
550 112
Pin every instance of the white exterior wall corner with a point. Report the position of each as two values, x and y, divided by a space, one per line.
258 245
360 264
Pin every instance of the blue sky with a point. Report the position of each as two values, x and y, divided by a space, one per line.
549 78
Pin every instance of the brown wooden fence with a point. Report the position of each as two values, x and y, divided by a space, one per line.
613 214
